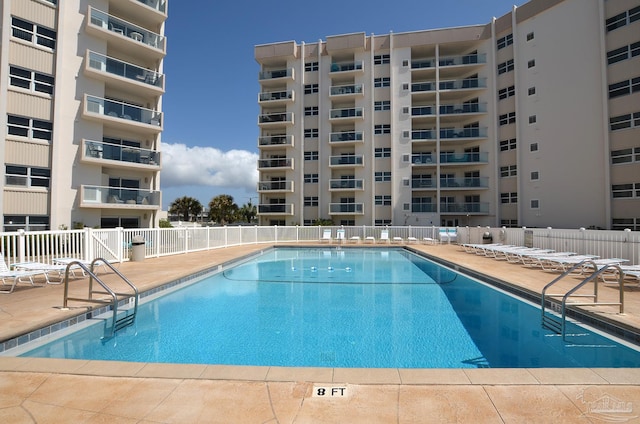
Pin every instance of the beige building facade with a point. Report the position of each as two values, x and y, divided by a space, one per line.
81 107
532 119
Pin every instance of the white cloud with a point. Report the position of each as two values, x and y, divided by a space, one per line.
208 166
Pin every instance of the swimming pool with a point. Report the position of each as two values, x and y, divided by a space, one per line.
355 307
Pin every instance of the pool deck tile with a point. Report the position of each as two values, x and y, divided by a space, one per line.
79 391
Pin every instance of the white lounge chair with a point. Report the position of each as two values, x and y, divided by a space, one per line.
340 235
354 239
45 269
369 239
67 261
397 239
16 276
411 239
384 236
326 235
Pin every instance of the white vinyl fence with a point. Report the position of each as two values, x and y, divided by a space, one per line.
115 244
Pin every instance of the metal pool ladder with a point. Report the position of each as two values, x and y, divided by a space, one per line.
558 301
112 300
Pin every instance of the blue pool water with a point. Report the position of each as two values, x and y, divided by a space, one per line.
342 308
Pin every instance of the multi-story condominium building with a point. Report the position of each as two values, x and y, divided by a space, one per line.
80 101
532 119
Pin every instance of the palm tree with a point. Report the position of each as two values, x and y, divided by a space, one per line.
248 212
186 207
222 209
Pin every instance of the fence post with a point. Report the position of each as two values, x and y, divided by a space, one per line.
21 246
276 233
88 245
120 241
226 237
186 239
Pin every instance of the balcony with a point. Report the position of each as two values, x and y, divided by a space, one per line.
423 135
124 75
346 114
276 97
125 35
147 12
464 183
422 159
481 208
346 68
116 155
464 158
340 184
418 111
346 91
346 160
121 114
275 209
469 59
457 133
452 89
422 183
420 87
275 164
423 207
275 186
346 137
119 198
278 76
275 141
423 64
275 119
346 208
463 108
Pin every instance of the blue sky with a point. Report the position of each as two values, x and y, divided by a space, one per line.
210 105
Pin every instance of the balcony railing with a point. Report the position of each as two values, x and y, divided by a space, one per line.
352 112
101 196
423 63
468 59
275 163
159 5
468 83
448 133
272 96
423 183
126 29
423 207
343 90
276 140
121 110
474 157
347 66
463 108
423 135
418 87
117 67
264 186
350 160
346 208
420 158
275 118
108 151
276 209
423 111
346 184
340 137
276 74
472 182
476 207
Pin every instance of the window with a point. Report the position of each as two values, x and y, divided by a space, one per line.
506 198
311 66
623 19
382 105
30 128
122 221
26 176
535 175
625 155
381 59
380 222
506 92
311 155
382 152
30 80
310 178
509 223
625 190
508 145
531 63
310 88
535 204
33 33
26 222
624 87
383 200
507 118
382 129
623 53
382 82
311 111
311 133
505 67
311 201
382 176
530 36
624 223
405 63
625 121
533 119
505 41
533 147
508 171
531 91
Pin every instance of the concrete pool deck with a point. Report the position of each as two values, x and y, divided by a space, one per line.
35 390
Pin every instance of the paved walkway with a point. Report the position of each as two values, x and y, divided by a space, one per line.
34 390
